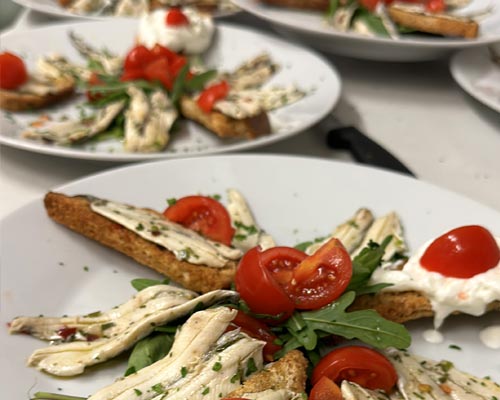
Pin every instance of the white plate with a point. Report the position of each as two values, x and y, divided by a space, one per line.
294 199
232 46
478 75
52 7
309 27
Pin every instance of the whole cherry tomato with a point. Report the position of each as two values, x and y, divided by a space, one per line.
12 71
462 252
358 364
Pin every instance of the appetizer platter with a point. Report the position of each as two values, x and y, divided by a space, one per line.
81 90
477 71
383 30
65 274
91 9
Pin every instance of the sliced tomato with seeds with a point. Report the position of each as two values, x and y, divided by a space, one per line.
259 289
320 278
325 389
204 215
281 261
258 330
13 71
358 364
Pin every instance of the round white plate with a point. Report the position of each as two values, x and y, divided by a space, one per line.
232 46
52 7
294 199
478 75
309 27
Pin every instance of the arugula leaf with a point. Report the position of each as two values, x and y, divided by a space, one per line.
143 283
55 396
148 351
198 82
179 85
304 245
373 21
332 8
365 263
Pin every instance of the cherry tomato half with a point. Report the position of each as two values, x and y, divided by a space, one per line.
94 80
322 277
132 75
175 17
138 58
462 252
325 389
204 215
211 94
12 71
281 262
358 364
258 330
259 289
158 70
160 51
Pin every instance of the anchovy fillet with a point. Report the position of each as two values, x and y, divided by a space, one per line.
252 74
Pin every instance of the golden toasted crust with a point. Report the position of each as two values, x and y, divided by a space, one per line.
75 213
13 100
288 372
436 24
224 126
401 306
321 5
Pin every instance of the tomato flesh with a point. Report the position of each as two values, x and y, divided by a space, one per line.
462 252
12 71
212 94
94 80
204 215
325 389
158 70
138 58
175 17
258 330
259 289
322 277
358 364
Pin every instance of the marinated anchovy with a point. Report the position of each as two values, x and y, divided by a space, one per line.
110 63
252 74
184 243
56 66
342 19
132 8
385 226
107 323
191 366
148 121
71 131
270 394
86 6
389 25
426 379
248 234
69 359
350 233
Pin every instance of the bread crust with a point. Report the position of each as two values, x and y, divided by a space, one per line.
289 372
224 126
401 306
436 24
320 5
13 100
75 213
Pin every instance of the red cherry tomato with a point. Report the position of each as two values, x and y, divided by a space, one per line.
211 94
436 6
322 277
259 289
138 58
204 215
281 262
370 5
325 389
94 80
358 364
160 51
175 17
462 252
177 64
159 70
132 75
258 330
12 71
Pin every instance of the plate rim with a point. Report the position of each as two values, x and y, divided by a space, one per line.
68 152
250 7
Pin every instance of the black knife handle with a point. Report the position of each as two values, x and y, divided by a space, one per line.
364 149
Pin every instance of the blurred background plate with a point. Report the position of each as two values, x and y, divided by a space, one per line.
310 28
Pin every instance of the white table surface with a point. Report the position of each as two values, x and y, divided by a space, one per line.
414 110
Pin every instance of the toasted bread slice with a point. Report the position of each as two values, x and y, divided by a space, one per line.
438 24
224 126
401 306
75 213
14 100
288 373
321 5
